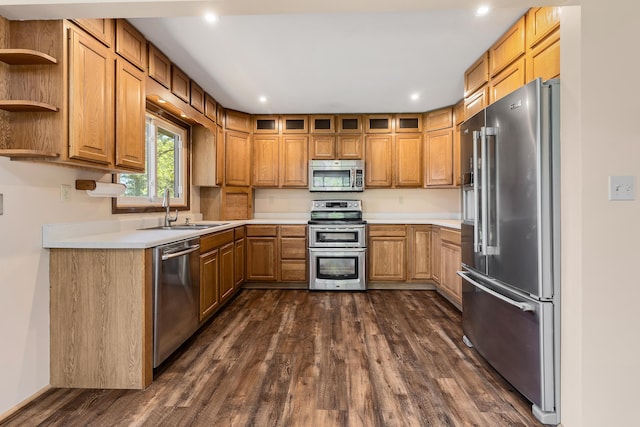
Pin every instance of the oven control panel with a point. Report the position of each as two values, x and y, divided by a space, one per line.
336 205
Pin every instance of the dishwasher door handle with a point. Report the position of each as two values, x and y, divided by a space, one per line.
170 255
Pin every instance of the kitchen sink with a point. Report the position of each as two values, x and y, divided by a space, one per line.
187 226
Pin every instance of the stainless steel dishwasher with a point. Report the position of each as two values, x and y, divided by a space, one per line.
176 296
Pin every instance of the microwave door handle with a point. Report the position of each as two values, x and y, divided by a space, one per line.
352 174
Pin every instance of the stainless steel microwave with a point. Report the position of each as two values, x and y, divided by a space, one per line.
336 175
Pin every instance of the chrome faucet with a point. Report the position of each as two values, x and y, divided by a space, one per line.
168 219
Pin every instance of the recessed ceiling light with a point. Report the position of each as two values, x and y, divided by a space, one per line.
415 96
183 115
210 17
482 10
161 101
262 99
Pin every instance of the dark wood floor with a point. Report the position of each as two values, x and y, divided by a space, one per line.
299 358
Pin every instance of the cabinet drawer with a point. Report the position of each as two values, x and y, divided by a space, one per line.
238 233
214 240
293 248
262 230
387 230
293 271
293 230
450 235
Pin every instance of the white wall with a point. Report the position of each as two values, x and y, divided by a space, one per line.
601 238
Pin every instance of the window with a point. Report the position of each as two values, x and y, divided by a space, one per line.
166 167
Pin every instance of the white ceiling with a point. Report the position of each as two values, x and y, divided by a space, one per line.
310 56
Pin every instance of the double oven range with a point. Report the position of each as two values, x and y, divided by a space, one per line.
337 246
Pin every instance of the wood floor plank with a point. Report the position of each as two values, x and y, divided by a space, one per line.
300 358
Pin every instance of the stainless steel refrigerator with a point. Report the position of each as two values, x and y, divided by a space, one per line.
510 241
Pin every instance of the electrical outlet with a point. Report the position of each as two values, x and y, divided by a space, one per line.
65 192
622 188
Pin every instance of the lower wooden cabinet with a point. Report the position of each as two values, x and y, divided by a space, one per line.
227 271
449 261
387 253
276 253
420 253
209 283
435 254
239 258
217 272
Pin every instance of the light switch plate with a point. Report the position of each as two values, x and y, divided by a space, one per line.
65 192
622 188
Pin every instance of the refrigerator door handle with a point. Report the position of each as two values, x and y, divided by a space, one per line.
476 196
521 305
490 210
483 185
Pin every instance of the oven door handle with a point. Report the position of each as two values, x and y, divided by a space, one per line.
341 229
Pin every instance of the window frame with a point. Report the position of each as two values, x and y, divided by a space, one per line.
156 206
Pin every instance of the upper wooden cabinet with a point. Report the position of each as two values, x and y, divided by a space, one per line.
349 123
196 97
131 44
438 119
237 155
510 79
280 161
323 124
408 123
476 102
476 75
266 159
204 157
541 21
349 147
235 120
130 116
378 164
180 84
91 78
210 106
408 163
294 161
322 147
330 147
379 123
101 29
236 203
458 112
439 168
295 124
543 60
507 48
266 124
159 67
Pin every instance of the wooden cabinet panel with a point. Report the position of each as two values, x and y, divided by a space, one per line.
219 155
237 203
265 160
130 116
293 231
439 169
408 160
235 120
210 105
179 84
266 124
237 155
477 75
323 147
101 29
379 151
293 248
349 147
295 124
507 48
349 124
262 230
476 102
209 283
262 258
323 124
435 254
239 262
544 59
227 271
379 123
510 79
196 97
457 174
131 44
294 163
91 101
541 21
159 67
439 119
458 112
293 271
387 260
408 123
420 252
450 282
215 240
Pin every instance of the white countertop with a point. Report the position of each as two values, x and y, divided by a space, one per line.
127 234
